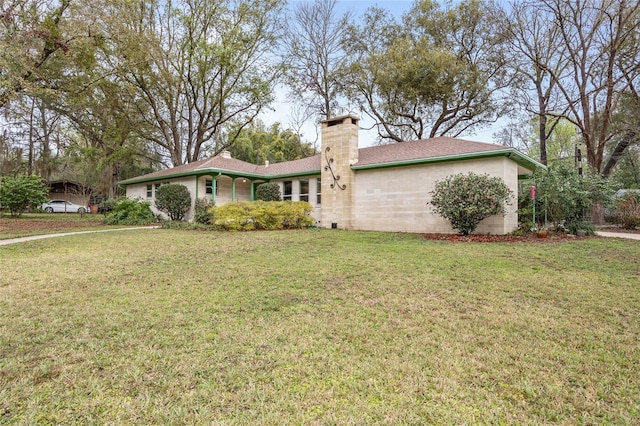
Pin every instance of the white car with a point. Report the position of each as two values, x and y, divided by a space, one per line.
62 206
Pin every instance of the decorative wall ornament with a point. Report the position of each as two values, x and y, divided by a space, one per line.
328 167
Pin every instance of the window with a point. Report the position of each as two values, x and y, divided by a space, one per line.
158 185
150 191
318 191
304 190
287 190
209 186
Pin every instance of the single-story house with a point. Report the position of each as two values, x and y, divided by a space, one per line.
382 188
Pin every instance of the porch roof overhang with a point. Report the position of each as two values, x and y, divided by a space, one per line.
216 171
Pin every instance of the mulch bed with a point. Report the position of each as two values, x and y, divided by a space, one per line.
530 237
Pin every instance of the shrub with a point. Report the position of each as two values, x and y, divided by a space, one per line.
173 199
262 215
567 197
268 192
465 200
201 211
628 210
127 211
107 205
20 192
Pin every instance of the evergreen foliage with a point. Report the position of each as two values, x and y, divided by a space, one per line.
268 191
466 199
17 193
173 199
262 215
566 197
127 211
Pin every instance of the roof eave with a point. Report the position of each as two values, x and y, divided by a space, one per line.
513 154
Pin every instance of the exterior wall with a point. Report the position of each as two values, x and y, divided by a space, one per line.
395 199
139 191
316 212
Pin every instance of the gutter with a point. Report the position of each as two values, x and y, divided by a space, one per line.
516 156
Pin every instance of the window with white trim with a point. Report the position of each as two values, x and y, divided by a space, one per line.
149 191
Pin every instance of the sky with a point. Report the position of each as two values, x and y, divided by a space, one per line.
282 108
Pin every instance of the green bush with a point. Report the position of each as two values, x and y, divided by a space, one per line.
18 193
268 192
466 199
174 200
107 205
127 211
201 211
628 210
262 215
565 198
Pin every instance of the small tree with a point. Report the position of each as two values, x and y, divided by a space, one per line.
567 197
268 191
173 199
464 200
19 192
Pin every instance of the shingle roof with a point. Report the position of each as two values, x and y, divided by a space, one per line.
424 149
421 149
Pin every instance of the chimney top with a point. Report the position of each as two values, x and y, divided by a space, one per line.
225 154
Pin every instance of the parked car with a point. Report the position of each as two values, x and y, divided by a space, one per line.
62 206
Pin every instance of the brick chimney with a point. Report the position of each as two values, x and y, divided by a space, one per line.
339 151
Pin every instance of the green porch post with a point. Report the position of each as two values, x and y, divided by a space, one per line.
197 187
253 193
233 189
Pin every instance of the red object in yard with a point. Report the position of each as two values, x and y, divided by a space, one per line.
533 192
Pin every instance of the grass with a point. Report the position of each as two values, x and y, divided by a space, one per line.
317 327
48 223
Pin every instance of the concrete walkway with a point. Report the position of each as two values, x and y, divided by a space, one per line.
627 235
64 234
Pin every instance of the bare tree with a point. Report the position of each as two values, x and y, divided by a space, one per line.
533 48
598 42
314 55
197 68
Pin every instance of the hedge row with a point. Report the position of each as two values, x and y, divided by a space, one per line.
261 215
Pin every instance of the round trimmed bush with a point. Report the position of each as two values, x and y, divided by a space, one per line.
466 199
174 200
268 191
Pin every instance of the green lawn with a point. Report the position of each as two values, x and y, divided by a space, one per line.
317 327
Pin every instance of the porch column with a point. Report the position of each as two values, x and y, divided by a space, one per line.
233 189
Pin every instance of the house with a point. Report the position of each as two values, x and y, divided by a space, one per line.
382 188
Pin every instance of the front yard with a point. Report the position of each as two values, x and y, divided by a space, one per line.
318 327
48 223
